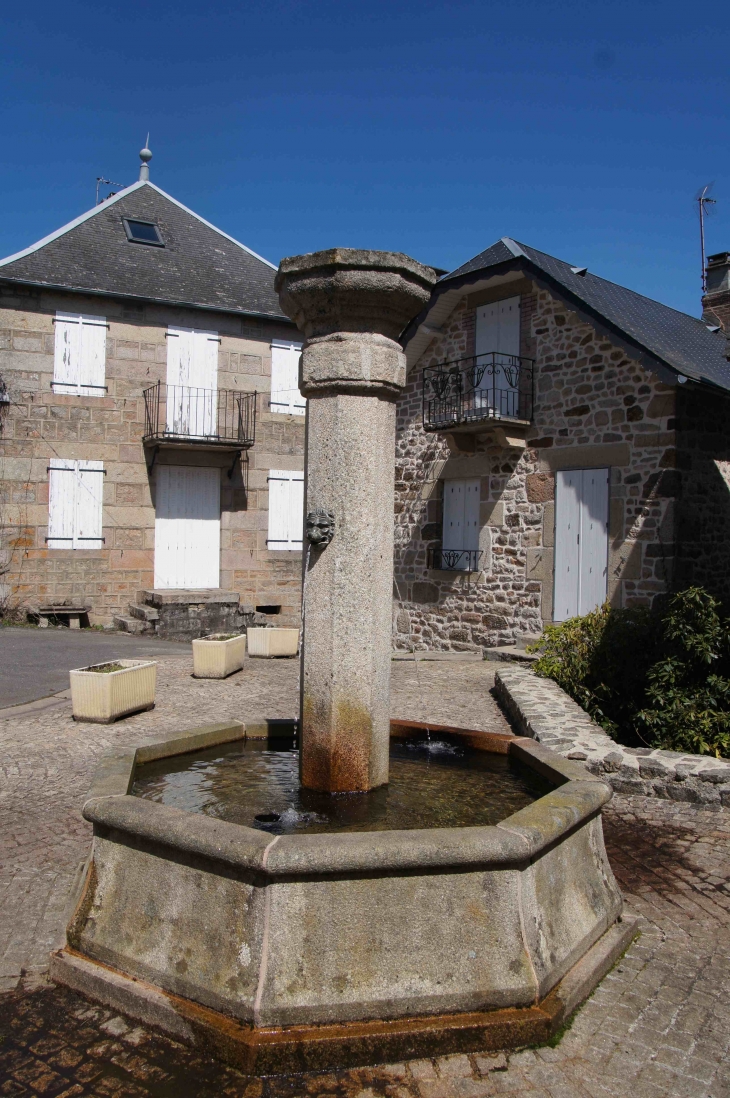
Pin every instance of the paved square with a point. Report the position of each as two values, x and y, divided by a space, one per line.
658 1025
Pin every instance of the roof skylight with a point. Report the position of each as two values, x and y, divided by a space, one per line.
143 232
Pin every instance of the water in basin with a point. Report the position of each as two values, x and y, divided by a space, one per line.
433 783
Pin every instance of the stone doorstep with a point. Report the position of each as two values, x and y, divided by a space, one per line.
543 711
509 653
158 598
281 1050
439 657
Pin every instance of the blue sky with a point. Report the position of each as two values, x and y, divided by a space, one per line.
583 129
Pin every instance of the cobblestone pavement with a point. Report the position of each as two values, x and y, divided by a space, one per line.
659 1024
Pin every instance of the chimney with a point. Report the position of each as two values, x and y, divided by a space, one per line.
716 299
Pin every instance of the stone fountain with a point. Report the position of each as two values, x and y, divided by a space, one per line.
287 952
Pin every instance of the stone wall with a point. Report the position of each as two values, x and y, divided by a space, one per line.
40 424
702 483
594 407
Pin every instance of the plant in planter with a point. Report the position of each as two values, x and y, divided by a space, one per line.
104 692
273 642
219 655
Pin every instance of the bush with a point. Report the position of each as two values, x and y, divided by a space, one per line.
657 677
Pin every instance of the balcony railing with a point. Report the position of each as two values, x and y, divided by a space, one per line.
218 417
454 560
470 390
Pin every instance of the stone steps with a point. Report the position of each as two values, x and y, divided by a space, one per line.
132 625
143 612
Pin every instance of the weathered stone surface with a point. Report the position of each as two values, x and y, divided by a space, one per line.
351 305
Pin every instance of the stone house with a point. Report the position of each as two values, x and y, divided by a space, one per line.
152 435
561 440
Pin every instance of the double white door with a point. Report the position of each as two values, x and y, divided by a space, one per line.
581 541
187 527
498 342
460 538
192 382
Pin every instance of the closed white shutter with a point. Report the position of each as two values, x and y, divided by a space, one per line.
61 504
581 541
498 333
92 359
285 395
187 527
286 509
89 504
461 519
75 504
79 364
192 381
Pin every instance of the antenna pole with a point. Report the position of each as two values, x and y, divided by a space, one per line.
703 201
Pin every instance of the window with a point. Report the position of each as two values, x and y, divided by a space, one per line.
79 364
143 232
285 395
192 381
460 541
75 496
286 509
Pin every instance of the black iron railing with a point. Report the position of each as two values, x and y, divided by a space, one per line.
185 413
454 560
467 390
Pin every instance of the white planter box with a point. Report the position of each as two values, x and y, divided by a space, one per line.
273 642
105 697
214 658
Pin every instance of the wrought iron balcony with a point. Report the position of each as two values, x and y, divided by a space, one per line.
454 560
491 386
213 417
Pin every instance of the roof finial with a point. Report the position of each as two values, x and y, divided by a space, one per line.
145 156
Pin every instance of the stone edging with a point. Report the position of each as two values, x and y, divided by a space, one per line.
541 709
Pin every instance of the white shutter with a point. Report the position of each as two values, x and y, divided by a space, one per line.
89 505
192 381
61 504
461 518
66 353
581 541
75 504
285 395
92 357
498 332
593 540
286 509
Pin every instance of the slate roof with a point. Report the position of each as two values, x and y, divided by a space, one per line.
677 340
199 265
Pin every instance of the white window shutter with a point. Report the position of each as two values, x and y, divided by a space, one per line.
286 509
66 353
61 504
89 505
92 357
285 395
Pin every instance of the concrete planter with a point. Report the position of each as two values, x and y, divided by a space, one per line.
317 950
215 658
273 642
105 697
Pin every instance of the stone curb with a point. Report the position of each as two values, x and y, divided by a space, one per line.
540 709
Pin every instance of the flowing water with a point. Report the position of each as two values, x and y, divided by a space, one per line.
433 783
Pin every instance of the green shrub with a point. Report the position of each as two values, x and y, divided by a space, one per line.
658 677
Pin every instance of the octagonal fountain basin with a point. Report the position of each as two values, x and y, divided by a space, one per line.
469 905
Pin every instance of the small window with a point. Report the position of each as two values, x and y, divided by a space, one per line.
286 509
143 232
80 354
76 492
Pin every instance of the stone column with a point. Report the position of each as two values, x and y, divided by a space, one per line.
351 306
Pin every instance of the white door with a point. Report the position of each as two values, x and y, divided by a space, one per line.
461 524
581 541
498 339
187 527
192 381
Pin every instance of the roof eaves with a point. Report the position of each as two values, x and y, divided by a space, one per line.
72 224
211 226
117 294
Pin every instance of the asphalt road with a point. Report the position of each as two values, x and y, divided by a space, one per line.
35 663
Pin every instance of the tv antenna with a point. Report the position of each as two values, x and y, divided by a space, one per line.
704 204
99 180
